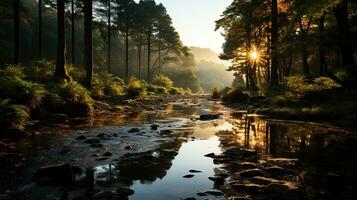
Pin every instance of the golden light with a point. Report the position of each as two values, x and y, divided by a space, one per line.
254 55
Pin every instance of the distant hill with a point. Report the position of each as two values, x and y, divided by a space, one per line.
211 70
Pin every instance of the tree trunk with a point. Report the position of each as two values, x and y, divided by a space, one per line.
39 29
322 53
109 36
88 47
269 59
345 43
139 54
16 31
73 34
149 54
305 60
274 43
127 53
60 71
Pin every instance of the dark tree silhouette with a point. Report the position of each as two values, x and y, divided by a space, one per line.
88 43
60 71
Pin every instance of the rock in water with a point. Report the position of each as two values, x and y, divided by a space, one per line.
189 176
209 117
250 173
215 192
154 126
134 130
54 174
125 191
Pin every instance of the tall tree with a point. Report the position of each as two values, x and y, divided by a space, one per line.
125 20
16 31
39 29
88 42
274 43
109 35
346 48
60 71
73 41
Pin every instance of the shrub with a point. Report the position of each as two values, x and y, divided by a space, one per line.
107 85
302 85
234 95
134 88
215 93
12 71
40 70
21 91
77 99
163 81
13 116
77 74
178 91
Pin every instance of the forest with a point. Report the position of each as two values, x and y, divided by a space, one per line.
110 99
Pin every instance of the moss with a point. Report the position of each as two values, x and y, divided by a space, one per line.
163 81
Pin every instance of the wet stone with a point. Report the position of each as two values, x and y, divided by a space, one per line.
92 141
209 117
215 192
287 191
61 173
108 153
289 163
190 198
194 171
250 173
217 179
202 194
97 145
166 132
102 158
154 126
134 130
260 180
81 137
210 155
188 176
218 161
277 171
125 191
128 147
248 187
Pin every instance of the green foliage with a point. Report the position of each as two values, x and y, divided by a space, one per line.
20 91
135 88
215 93
13 116
302 85
77 99
12 71
106 85
163 81
40 70
234 95
179 91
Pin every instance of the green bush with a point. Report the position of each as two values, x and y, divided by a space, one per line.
40 70
215 93
13 116
302 85
178 91
77 99
163 81
21 91
12 71
135 88
234 95
106 85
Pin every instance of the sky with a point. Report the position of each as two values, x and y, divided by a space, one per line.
195 20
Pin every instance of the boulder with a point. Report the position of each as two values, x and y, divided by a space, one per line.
247 187
133 130
217 179
286 191
188 176
125 191
154 126
208 117
250 173
214 192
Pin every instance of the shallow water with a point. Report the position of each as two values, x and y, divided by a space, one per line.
156 163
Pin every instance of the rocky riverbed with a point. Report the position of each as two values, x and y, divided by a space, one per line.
189 149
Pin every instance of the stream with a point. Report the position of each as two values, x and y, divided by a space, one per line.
171 155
